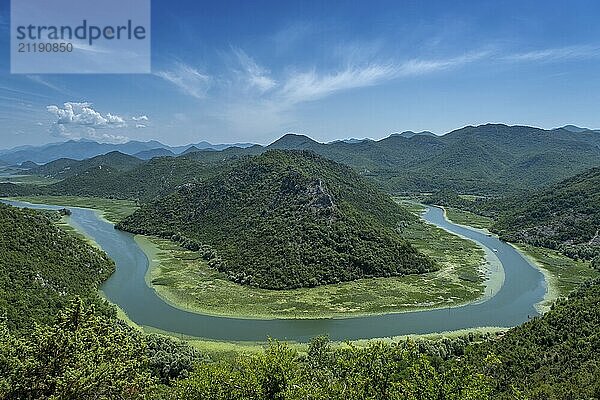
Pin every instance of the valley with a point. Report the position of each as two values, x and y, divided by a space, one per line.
129 289
228 250
300 200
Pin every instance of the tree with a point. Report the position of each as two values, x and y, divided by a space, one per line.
81 356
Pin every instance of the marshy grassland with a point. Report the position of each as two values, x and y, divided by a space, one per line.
28 180
563 274
468 218
183 279
112 210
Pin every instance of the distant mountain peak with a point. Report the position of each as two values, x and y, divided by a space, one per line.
293 141
191 149
576 129
410 134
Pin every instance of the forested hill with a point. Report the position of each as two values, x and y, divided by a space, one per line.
485 159
550 357
66 167
42 267
490 159
286 219
565 216
144 182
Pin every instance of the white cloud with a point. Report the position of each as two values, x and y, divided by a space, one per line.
254 75
140 126
84 115
140 118
307 86
272 110
79 120
188 79
557 54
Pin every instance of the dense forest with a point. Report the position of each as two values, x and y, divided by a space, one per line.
488 159
58 339
42 268
85 354
551 357
104 177
565 216
66 167
286 219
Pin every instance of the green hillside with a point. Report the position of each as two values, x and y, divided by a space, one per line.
488 159
550 357
65 167
565 216
42 267
155 177
284 220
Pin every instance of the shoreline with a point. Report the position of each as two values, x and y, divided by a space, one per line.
124 316
491 285
495 278
552 291
490 261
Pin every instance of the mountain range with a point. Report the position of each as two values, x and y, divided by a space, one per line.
490 159
82 149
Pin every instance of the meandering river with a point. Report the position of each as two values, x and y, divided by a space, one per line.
524 286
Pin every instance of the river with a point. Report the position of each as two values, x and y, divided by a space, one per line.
523 287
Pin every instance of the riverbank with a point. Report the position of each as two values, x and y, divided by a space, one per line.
221 350
110 210
128 288
561 273
184 280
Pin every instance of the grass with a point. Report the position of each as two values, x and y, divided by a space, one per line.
183 279
468 218
28 179
187 282
112 210
563 274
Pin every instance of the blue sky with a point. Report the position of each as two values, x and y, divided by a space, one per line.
250 71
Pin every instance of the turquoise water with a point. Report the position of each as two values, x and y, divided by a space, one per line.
523 287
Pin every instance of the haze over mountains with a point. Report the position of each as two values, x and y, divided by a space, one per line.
82 149
489 159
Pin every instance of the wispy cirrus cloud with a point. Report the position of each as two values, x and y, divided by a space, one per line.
557 54
254 75
187 79
271 107
310 85
45 82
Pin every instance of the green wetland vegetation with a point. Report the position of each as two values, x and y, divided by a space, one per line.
85 353
467 218
112 210
60 339
185 279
